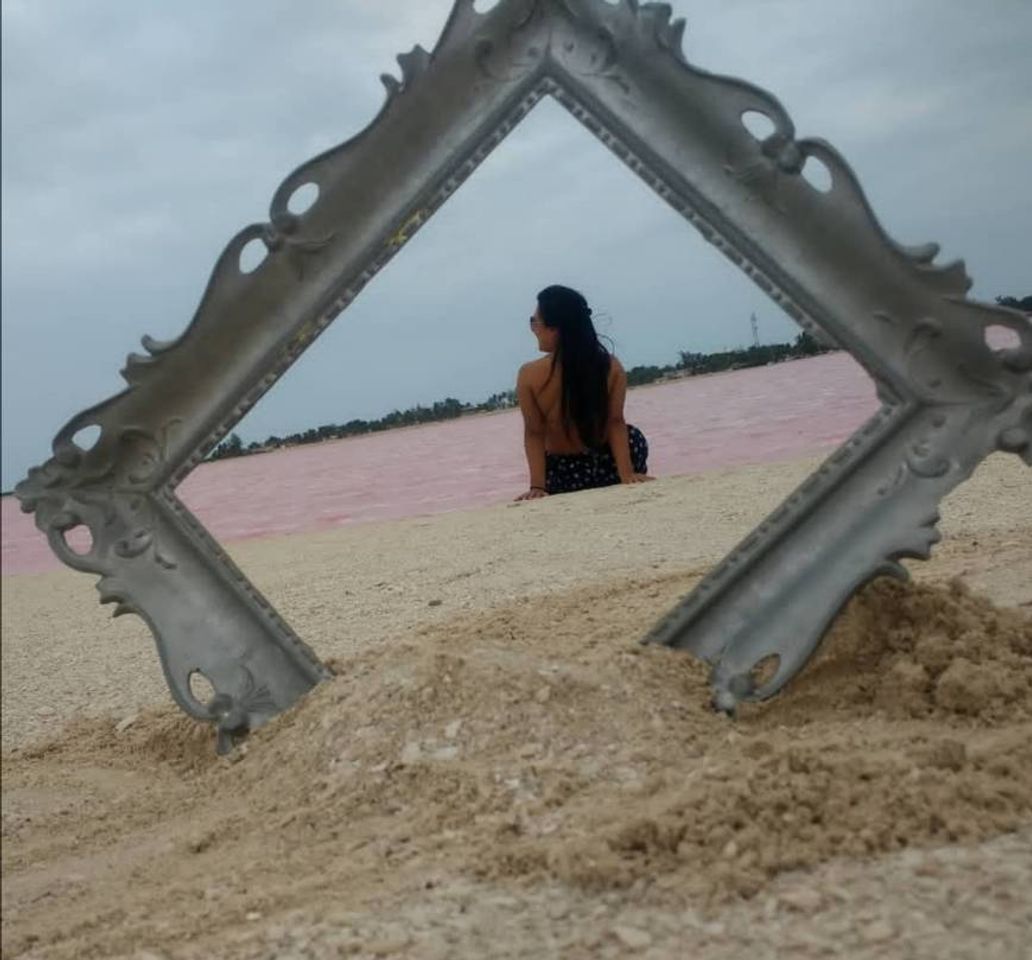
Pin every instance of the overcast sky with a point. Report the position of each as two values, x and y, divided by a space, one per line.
139 136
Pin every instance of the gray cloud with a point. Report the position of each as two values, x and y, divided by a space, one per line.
137 138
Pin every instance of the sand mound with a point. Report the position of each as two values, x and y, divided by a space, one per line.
910 651
541 743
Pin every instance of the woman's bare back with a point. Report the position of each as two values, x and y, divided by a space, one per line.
546 386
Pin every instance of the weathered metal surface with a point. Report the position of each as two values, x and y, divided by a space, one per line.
949 400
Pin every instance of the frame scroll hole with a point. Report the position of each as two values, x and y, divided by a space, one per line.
303 197
999 337
201 688
817 174
86 438
78 539
252 255
763 671
758 124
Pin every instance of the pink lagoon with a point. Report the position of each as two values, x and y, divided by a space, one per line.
693 425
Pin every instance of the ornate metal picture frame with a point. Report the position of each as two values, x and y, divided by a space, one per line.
948 399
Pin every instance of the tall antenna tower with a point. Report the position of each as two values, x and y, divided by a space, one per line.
755 330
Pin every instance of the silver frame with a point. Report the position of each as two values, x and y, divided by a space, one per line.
948 400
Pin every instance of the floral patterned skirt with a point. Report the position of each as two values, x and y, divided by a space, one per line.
566 472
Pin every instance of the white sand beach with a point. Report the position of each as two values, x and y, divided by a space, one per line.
501 770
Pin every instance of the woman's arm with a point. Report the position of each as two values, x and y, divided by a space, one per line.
616 427
533 435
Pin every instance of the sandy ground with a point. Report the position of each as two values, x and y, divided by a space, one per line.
501 770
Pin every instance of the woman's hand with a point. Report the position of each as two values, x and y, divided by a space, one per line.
534 493
637 478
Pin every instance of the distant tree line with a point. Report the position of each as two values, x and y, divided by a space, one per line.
689 364
447 409
1024 304
692 364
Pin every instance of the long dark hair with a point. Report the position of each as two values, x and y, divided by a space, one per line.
584 361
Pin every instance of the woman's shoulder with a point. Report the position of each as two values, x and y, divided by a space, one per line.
616 368
535 372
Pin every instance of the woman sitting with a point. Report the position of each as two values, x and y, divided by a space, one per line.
572 402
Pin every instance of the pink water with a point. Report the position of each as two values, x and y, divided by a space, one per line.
701 423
